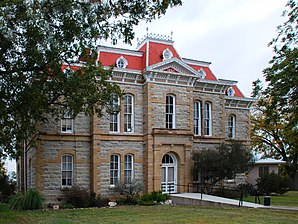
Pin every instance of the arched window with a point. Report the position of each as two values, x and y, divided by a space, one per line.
207 119
115 114
197 118
128 169
170 112
114 169
128 113
230 91
121 62
67 170
231 126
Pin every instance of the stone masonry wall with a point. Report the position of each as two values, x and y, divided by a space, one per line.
120 148
51 152
242 123
137 92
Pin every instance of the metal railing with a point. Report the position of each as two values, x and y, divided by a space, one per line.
202 188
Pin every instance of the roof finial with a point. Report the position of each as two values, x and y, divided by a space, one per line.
147 29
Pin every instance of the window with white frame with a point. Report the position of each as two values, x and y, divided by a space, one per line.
197 118
67 170
230 91
115 114
170 111
114 169
66 123
231 126
128 168
207 119
128 113
121 62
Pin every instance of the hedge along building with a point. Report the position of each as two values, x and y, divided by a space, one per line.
172 106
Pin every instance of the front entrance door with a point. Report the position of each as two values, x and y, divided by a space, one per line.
169 174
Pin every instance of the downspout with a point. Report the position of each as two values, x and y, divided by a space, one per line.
25 167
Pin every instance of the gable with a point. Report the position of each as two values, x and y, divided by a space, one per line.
175 65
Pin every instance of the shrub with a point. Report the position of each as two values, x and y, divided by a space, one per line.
153 198
16 202
98 201
78 196
31 200
273 183
131 191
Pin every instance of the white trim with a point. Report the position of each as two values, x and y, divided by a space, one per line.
72 166
196 62
231 126
167 166
118 170
209 120
132 167
67 119
173 114
118 116
199 117
192 71
129 114
120 51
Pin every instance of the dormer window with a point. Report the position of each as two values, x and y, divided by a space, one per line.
121 62
167 54
231 91
202 72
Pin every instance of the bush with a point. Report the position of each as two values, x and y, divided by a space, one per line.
273 183
98 201
153 198
131 191
78 196
31 200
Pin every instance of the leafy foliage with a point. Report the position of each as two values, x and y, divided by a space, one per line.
273 183
153 198
37 38
131 191
223 162
98 200
31 200
77 196
275 117
7 185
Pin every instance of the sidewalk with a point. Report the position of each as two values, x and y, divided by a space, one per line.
195 199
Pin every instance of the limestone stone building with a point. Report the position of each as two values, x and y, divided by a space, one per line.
172 106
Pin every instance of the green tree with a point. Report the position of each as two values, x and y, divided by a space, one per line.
275 117
7 184
214 165
37 37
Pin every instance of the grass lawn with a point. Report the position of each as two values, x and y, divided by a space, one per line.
288 199
151 214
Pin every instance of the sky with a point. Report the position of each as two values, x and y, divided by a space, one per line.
231 34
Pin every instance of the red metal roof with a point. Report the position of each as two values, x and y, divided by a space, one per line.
134 62
209 74
237 92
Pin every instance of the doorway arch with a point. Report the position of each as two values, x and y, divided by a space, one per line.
169 173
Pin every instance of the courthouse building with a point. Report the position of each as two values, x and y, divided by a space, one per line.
172 106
